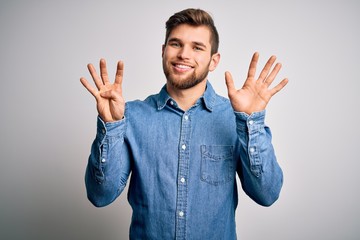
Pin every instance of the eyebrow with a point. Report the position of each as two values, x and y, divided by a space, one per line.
179 40
200 44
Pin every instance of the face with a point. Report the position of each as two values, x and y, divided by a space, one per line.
187 56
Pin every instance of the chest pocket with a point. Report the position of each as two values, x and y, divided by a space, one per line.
217 165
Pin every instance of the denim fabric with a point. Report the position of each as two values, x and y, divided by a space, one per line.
183 166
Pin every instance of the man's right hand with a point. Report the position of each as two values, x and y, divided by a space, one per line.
109 99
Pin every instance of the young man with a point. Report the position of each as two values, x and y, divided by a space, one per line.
184 145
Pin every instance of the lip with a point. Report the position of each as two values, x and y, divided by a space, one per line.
182 67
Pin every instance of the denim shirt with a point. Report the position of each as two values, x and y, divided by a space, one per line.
183 166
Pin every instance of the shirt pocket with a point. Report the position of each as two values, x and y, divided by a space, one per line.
217 166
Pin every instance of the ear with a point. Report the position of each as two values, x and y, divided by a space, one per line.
163 50
215 59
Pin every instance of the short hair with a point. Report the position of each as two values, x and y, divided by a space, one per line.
194 17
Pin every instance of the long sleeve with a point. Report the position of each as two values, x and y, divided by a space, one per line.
259 172
109 165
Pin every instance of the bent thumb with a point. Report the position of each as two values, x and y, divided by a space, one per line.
109 95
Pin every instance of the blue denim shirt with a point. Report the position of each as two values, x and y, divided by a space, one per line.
183 166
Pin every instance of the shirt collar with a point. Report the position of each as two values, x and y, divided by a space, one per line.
208 98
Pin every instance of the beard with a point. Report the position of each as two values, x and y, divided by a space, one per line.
187 82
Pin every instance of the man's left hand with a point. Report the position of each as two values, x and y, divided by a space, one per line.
255 93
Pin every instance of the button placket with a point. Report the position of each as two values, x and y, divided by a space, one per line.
183 171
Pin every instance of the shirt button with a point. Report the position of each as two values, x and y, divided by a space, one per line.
182 180
251 122
171 102
103 131
183 146
181 213
252 150
103 160
186 117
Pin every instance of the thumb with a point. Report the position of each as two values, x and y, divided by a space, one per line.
109 95
229 82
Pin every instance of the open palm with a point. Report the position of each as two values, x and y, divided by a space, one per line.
255 93
109 99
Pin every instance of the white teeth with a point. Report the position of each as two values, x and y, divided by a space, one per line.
183 66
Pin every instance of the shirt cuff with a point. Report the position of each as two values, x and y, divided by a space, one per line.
110 129
252 122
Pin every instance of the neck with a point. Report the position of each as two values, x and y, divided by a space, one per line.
186 98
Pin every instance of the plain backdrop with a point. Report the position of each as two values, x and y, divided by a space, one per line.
48 120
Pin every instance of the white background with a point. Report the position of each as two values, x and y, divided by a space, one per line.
48 120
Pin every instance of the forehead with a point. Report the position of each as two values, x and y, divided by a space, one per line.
188 33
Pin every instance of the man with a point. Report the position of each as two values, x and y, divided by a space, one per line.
184 146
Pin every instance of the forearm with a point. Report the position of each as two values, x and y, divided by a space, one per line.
260 174
108 165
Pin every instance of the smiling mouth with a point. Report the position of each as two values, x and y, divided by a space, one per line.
182 67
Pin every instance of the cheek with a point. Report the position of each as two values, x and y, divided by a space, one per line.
165 59
204 62
169 53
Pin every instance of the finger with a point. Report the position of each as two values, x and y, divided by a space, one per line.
253 64
267 68
87 85
278 87
273 74
103 71
229 83
94 76
119 73
110 95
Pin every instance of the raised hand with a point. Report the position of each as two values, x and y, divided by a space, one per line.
255 93
109 99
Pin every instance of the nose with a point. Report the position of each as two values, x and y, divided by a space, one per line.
184 52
